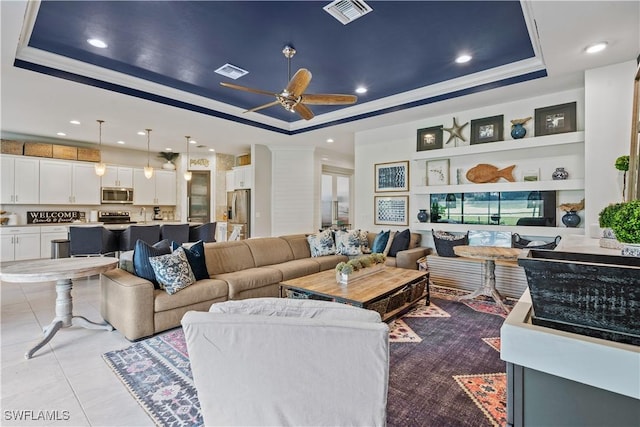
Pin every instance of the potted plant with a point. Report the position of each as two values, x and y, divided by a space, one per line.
169 157
626 226
605 219
622 164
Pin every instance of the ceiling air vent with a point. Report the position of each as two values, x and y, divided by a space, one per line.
346 11
231 71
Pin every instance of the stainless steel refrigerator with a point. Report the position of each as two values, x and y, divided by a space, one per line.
239 214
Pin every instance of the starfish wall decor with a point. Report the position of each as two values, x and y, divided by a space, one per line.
455 131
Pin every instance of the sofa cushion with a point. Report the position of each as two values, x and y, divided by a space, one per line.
380 242
249 279
195 256
226 257
202 290
296 268
286 307
299 245
348 242
400 242
445 241
269 250
142 251
173 271
330 261
321 243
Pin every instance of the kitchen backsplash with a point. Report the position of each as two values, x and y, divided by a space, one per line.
46 214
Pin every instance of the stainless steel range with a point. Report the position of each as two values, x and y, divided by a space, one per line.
115 217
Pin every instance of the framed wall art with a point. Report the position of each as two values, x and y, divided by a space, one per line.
391 210
392 176
489 129
429 138
438 172
555 119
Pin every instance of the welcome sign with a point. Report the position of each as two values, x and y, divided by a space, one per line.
52 217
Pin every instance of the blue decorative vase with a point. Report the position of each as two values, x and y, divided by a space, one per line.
559 174
571 219
518 131
422 215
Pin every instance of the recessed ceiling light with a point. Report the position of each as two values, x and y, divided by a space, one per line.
97 43
361 89
193 141
330 141
325 158
212 149
61 134
74 122
463 58
142 133
121 142
168 149
596 47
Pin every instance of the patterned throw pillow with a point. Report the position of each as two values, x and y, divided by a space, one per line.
348 242
322 243
173 271
364 242
195 256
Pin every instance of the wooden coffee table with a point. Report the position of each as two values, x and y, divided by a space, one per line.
367 292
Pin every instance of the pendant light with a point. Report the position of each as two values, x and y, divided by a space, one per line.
148 170
187 173
101 168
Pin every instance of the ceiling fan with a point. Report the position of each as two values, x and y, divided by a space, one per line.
293 98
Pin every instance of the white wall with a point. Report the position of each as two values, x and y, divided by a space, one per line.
261 194
608 103
397 143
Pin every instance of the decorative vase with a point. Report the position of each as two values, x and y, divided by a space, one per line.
571 219
422 215
169 166
608 240
559 174
630 249
518 131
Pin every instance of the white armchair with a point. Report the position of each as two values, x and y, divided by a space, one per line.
279 362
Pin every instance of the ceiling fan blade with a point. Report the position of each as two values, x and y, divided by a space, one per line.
299 82
304 111
328 99
260 107
246 89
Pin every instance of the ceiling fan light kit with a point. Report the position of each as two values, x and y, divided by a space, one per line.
292 98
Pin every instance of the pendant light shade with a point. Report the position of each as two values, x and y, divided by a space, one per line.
100 167
187 173
148 170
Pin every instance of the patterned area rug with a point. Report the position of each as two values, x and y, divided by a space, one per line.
444 371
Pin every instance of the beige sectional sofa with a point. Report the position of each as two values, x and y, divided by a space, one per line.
238 270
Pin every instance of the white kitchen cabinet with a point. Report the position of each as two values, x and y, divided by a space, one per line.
117 176
159 190
20 243
230 180
20 180
243 177
49 233
68 183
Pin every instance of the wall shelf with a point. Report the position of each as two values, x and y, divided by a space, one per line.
512 144
567 184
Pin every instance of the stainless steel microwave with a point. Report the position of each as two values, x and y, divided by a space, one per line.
117 195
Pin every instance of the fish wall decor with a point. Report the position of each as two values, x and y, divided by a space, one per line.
483 173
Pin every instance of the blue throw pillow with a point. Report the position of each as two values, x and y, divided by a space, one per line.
400 242
380 242
142 251
195 256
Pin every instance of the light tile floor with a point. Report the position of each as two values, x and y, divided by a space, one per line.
68 374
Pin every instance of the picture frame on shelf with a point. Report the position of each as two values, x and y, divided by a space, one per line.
438 172
488 129
391 210
392 176
555 119
531 175
429 138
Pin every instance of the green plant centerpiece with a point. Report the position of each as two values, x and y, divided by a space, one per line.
359 267
169 156
622 164
626 222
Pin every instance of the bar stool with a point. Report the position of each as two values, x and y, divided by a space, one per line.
178 233
92 241
205 232
147 233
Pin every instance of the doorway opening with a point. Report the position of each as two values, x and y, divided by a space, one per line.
336 197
